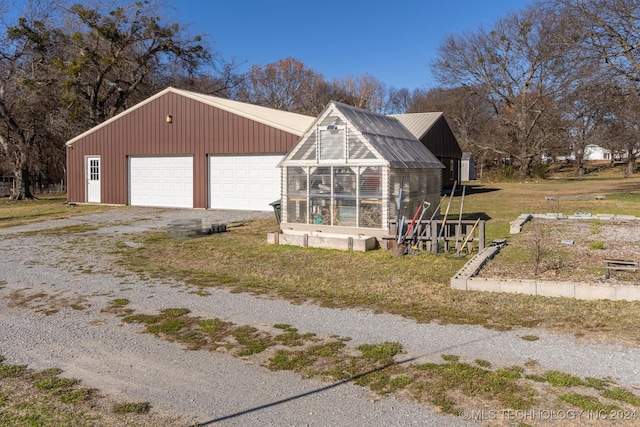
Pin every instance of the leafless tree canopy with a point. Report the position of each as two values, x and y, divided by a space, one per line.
541 83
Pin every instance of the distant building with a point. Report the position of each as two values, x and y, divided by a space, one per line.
467 167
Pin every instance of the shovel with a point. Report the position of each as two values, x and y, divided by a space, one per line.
399 249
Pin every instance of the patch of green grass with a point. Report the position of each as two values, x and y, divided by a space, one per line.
378 381
622 395
132 408
502 385
285 360
330 349
399 382
75 396
446 405
450 357
9 371
119 302
284 327
530 337
596 245
380 352
588 403
55 383
342 370
561 379
597 383
483 363
175 312
625 197
216 330
251 341
146 319
39 398
596 226
167 326
427 366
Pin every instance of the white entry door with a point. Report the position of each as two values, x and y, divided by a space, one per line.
93 179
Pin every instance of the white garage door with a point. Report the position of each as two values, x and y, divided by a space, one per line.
161 181
244 182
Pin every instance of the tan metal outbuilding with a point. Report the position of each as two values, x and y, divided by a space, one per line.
184 149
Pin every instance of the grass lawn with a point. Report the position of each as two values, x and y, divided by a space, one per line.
416 287
13 213
413 286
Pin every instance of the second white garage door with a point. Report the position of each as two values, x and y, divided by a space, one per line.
244 182
161 181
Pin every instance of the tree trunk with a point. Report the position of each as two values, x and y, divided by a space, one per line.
21 187
525 168
631 166
580 169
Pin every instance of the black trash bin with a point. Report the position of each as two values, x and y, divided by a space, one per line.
277 209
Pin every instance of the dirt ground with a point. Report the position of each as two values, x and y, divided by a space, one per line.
569 250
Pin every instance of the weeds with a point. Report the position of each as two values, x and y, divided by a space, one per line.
132 408
596 226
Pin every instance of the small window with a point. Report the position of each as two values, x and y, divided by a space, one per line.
452 170
332 143
94 169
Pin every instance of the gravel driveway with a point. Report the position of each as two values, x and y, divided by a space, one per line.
201 386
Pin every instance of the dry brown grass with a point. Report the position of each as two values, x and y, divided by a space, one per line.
20 212
413 286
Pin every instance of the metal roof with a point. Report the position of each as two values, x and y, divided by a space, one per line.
418 123
293 123
389 137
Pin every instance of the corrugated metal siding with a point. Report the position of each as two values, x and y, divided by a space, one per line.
441 141
197 129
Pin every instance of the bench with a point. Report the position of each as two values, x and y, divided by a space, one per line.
619 265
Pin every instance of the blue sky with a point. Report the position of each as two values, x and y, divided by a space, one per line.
392 41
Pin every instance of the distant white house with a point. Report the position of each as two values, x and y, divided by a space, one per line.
596 153
593 153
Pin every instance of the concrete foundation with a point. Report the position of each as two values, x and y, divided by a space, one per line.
465 278
577 290
323 240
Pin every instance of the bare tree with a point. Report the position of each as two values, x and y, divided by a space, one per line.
287 84
516 66
466 111
365 92
608 32
584 112
398 101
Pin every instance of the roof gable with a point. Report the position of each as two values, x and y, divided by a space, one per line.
371 136
418 123
293 123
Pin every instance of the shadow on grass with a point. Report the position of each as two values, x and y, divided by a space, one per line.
336 384
469 189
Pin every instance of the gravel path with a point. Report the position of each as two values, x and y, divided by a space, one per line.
200 386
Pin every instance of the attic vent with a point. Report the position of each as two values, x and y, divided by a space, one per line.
332 143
